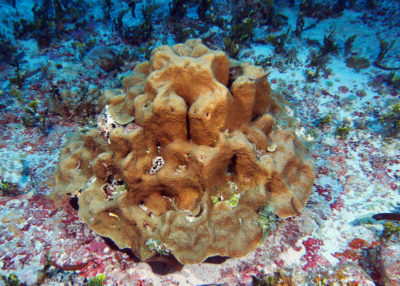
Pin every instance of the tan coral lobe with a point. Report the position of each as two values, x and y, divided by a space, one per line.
188 126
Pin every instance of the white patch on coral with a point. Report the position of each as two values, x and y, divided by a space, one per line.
180 169
113 215
289 110
143 207
272 147
158 162
191 218
90 182
302 134
232 187
106 123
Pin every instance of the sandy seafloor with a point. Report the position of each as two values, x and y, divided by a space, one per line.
355 177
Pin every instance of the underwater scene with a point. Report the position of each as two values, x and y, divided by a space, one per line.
200 142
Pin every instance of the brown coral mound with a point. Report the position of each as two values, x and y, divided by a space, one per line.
184 158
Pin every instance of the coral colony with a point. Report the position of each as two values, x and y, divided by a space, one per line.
184 130
200 142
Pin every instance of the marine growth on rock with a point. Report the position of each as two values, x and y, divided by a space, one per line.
185 157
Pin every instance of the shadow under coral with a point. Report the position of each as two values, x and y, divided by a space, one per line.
161 264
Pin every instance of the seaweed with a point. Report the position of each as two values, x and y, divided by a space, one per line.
132 6
42 274
393 79
264 12
9 189
324 121
16 92
315 10
246 16
107 7
242 25
384 48
98 280
339 6
319 59
271 61
9 52
59 9
262 280
204 7
349 44
22 28
279 41
139 33
312 42
279 277
268 12
329 46
352 3
84 47
390 229
181 33
177 10
372 4
391 121
268 221
11 280
357 63
156 246
290 56
243 31
231 47
32 118
299 24
44 25
239 33
343 130
19 78
49 21
312 75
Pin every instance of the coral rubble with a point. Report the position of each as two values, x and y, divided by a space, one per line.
185 157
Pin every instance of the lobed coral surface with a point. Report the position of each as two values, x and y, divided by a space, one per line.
185 156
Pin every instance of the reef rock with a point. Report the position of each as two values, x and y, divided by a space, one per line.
390 262
184 158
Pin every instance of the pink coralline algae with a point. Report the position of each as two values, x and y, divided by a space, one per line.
312 256
325 192
337 205
343 89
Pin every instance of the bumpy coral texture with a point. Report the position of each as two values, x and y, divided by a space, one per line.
185 156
